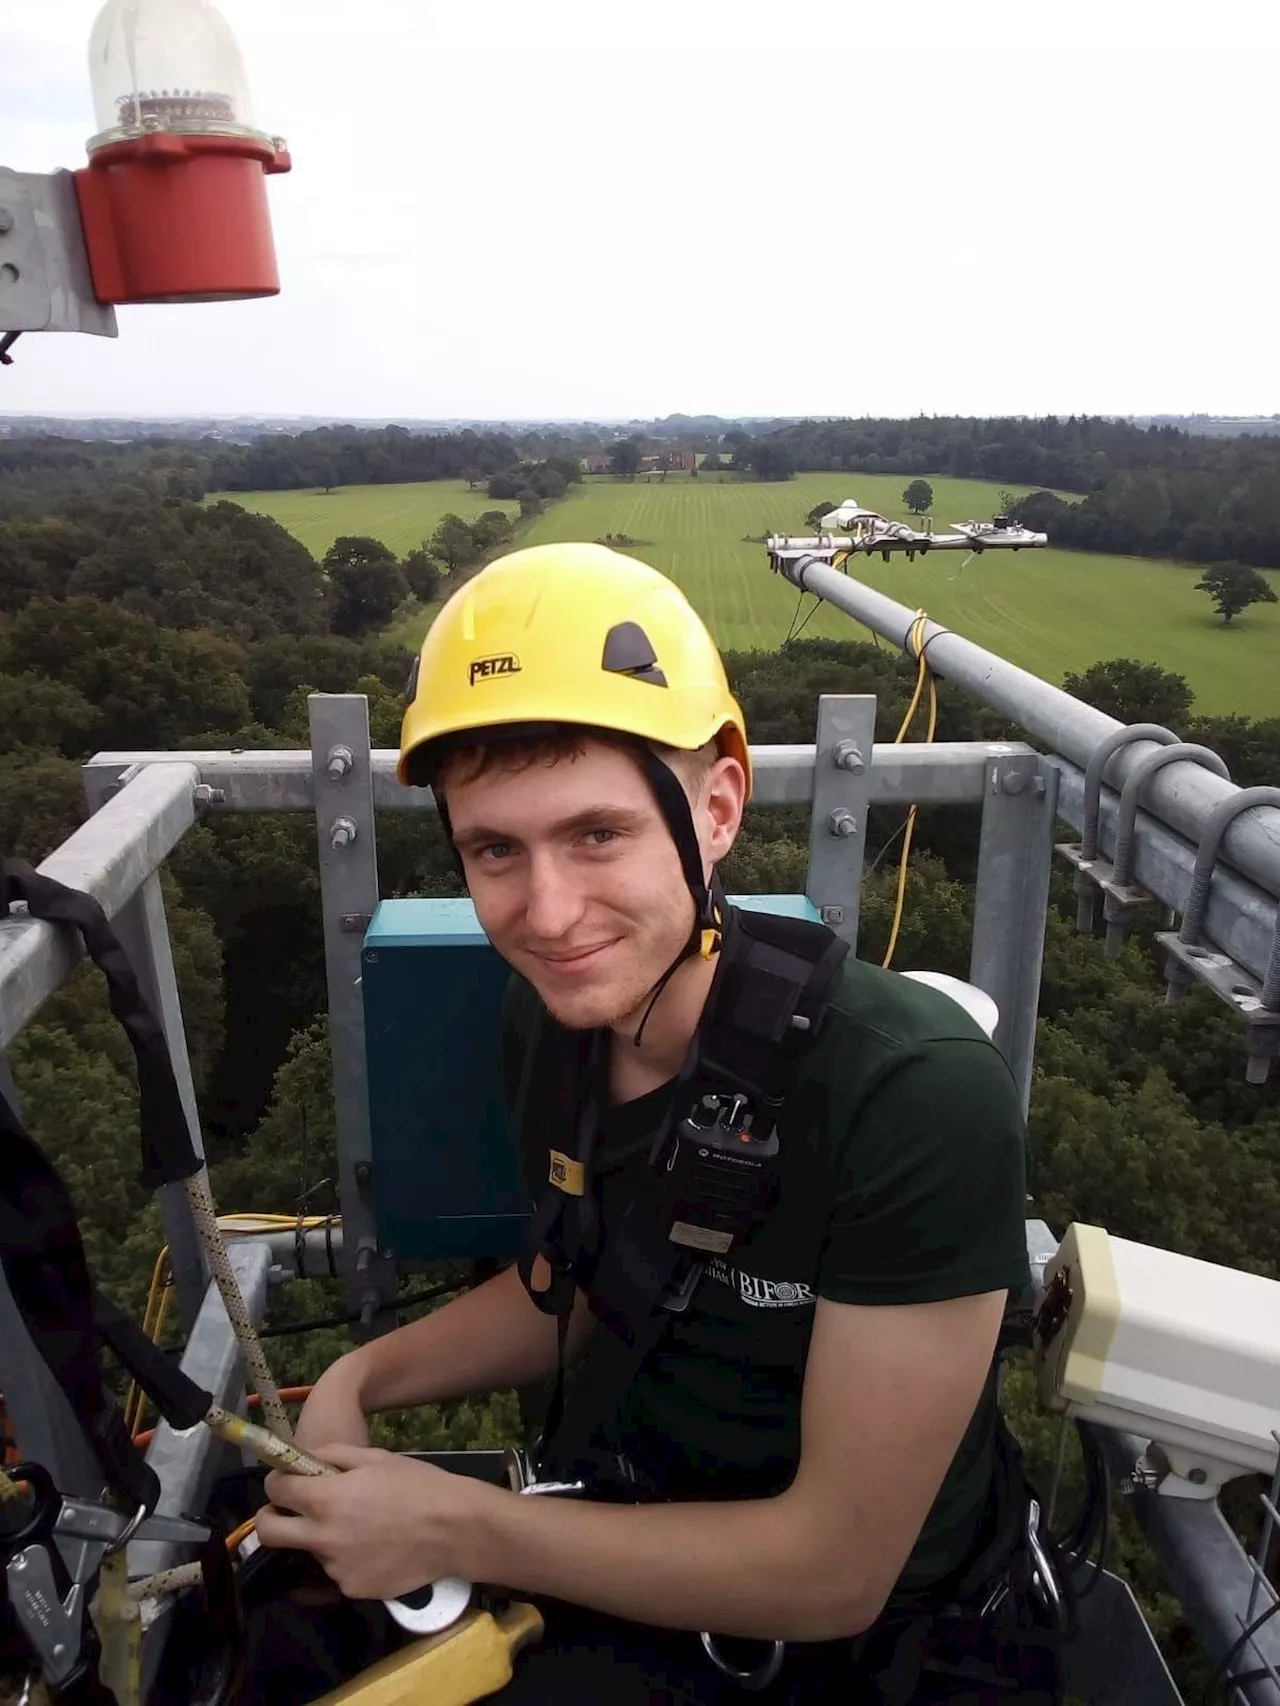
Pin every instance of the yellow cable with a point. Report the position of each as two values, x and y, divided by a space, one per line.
916 643
152 1321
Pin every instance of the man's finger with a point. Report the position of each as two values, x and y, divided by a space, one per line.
294 1533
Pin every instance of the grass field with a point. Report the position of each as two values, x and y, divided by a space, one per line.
1050 611
401 516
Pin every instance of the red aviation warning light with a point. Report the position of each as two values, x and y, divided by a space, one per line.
174 199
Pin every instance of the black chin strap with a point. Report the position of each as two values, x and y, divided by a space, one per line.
707 899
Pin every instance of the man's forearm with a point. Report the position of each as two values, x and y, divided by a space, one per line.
757 1568
490 1338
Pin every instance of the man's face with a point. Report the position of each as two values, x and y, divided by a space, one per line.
575 879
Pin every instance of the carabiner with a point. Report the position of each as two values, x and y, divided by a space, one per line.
753 1680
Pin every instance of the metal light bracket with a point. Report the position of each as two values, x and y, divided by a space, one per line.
1083 854
1256 1002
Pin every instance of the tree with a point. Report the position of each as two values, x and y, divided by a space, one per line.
625 458
153 686
712 462
490 529
1233 587
504 486
1133 692
421 573
454 543
770 458
473 477
366 584
918 497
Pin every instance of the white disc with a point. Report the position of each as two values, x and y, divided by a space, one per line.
450 1597
976 1002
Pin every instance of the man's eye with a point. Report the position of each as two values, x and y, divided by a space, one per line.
600 837
494 851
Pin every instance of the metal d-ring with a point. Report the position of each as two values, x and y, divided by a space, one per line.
1127 819
753 1680
1189 932
1099 758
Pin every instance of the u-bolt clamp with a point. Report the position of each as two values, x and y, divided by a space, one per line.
1189 959
1123 898
1082 854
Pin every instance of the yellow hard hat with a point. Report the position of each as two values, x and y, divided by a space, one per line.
568 634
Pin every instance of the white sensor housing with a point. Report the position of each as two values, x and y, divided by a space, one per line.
1183 1353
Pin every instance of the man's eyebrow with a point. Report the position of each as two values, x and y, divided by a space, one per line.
594 817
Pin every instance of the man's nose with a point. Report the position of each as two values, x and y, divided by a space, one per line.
554 902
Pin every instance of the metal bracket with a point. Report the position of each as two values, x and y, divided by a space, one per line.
1256 1003
1084 853
1122 897
45 283
841 799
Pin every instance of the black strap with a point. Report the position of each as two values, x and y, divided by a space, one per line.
40 1244
168 1154
771 972
48 1277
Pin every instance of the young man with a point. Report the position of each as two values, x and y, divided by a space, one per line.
814 1429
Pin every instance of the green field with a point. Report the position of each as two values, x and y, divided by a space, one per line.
1050 611
401 516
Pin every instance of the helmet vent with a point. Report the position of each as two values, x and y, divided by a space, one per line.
629 651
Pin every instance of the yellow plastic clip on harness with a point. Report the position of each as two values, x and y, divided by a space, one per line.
465 1663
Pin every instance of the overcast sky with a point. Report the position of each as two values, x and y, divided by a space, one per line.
594 208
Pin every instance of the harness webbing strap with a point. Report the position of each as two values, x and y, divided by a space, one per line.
168 1154
40 1244
771 970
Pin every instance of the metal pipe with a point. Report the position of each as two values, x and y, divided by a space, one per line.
109 857
945 772
1183 800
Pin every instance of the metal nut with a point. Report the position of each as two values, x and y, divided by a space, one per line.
847 755
842 822
207 796
1013 781
342 832
339 762
833 915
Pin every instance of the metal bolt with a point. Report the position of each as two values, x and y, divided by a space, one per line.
842 822
847 755
18 1564
60 1650
833 915
340 760
342 832
6 221
1013 781
1198 1476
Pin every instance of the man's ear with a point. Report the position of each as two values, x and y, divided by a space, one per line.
721 803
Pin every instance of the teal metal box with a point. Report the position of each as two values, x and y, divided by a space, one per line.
445 1178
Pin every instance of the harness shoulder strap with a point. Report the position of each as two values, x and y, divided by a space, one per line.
765 1008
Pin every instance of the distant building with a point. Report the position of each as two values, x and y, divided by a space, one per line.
594 464
680 461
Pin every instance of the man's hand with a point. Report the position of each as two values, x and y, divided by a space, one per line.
387 1526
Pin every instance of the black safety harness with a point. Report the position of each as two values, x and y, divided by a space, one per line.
713 1172
713 1175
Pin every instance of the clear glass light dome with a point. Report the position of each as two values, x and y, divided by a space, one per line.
166 65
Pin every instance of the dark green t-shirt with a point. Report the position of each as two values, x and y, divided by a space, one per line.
903 1180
